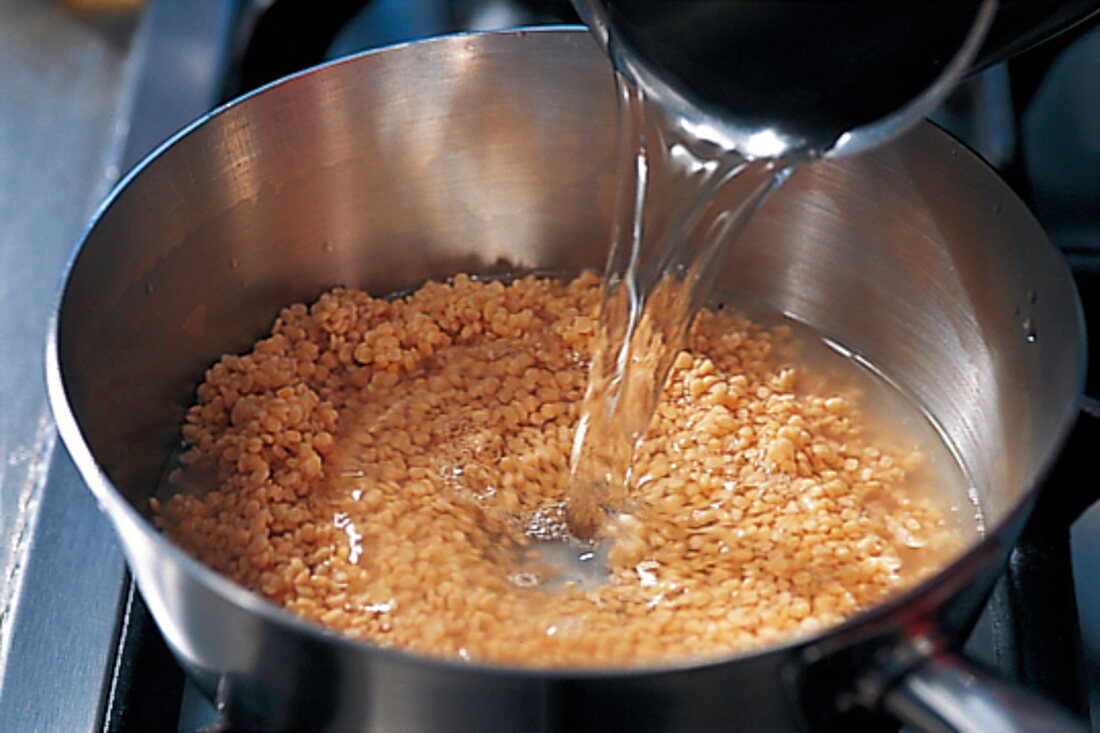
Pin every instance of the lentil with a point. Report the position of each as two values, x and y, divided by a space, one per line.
378 465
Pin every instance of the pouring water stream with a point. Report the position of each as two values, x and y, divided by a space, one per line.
671 232
670 236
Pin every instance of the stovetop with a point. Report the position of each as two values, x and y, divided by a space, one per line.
84 94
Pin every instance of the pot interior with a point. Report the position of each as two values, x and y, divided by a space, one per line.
492 153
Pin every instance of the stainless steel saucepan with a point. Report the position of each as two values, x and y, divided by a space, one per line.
481 153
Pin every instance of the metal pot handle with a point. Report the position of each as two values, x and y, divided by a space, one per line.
949 693
919 680
942 691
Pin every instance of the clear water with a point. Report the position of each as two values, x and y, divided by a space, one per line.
895 418
669 239
897 422
719 61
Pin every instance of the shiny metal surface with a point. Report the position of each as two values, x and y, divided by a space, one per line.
70 84
949 694
491 152
786 138
51 178
62 81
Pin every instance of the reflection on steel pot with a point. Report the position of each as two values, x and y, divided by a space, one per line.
485 152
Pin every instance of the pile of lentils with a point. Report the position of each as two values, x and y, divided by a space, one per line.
375 465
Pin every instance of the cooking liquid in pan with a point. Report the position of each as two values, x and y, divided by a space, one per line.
670 235
372 473
561 560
